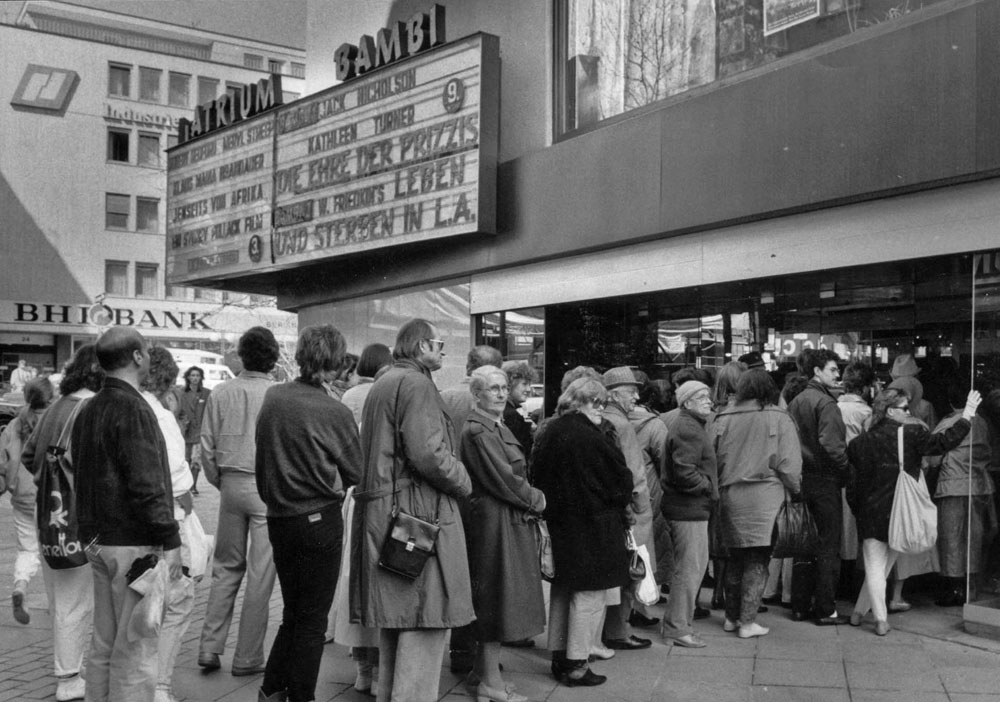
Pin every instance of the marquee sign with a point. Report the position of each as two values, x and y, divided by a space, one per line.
404 153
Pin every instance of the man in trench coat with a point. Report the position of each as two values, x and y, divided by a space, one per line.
407 439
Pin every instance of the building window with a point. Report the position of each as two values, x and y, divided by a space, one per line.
116 209
254 61
149 84
116 278
275 66
614 56
208 88
149 150
147 215
119 80
180 90
145 279
298 70
118 145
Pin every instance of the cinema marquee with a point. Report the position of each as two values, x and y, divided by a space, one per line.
404 152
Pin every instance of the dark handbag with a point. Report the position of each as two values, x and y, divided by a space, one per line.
795 533
408 545
636 566
58 541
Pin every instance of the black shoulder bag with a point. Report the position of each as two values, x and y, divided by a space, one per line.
411 540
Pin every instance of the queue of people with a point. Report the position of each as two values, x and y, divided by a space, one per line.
392 514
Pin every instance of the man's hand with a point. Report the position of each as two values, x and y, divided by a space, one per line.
173 559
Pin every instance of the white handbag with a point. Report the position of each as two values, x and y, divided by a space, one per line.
913 520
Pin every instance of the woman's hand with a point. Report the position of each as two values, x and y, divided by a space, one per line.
971 404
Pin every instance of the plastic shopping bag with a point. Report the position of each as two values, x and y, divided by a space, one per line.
646 590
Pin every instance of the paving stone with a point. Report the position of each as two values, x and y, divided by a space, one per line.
776 647
881 677
900 656
772 693
693 691
964 697
799 673
968 679
722 671
897 696
947 654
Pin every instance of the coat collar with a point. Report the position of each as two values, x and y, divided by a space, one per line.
477 415
413 364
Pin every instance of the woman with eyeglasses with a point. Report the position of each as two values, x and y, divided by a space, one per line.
587 488
874 469
503 559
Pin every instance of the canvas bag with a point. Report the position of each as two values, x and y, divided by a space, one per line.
55 515
913 520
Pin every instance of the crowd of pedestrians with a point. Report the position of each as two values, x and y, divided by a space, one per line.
398 519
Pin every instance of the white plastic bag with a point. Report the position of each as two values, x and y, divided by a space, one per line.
147 616
646 591
913 520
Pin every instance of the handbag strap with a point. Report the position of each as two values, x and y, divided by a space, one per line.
64 436
899 446
397 459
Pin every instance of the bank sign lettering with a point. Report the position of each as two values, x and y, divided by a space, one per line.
400 154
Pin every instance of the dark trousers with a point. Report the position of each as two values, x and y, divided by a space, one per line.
817 578
307 558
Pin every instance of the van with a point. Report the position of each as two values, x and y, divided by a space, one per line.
216 371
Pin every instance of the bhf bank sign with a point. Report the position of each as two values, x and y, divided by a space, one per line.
404 150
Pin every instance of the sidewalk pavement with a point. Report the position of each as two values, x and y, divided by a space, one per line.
927 657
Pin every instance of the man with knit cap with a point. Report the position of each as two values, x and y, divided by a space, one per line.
690 486
623 391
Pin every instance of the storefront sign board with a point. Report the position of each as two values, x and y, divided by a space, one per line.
403 154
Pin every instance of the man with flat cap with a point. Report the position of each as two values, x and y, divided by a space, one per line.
125 509
623 391
690 486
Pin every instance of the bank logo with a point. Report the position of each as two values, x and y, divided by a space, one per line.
45 88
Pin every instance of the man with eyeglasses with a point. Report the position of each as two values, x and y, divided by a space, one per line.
410 463
460 403
690 486
824 472
623 391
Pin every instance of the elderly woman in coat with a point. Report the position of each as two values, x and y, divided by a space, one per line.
757 448
871 487
587 488
506 583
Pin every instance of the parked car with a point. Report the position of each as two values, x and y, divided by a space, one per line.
211 363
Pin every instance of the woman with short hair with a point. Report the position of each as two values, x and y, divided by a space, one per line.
587 487
759 458
874 470
503 558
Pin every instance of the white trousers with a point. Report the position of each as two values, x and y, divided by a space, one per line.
779 570
176 618
879 559
26 563
71 600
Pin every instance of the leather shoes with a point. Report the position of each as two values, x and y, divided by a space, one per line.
832 621
701 613
689 641
641 620
632 643
248 670
588 679
209 661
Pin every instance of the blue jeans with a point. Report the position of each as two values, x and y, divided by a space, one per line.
690 541
307 558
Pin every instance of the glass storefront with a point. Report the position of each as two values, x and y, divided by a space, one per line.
620 55
945 311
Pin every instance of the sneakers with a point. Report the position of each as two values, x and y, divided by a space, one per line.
748 631
688 641
17 600
730 626
73 688
881 628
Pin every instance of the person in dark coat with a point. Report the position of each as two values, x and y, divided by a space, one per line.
190 412
520 376
587 488
871 487
506 582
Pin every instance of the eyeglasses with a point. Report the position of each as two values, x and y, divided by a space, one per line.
439 342
498 389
